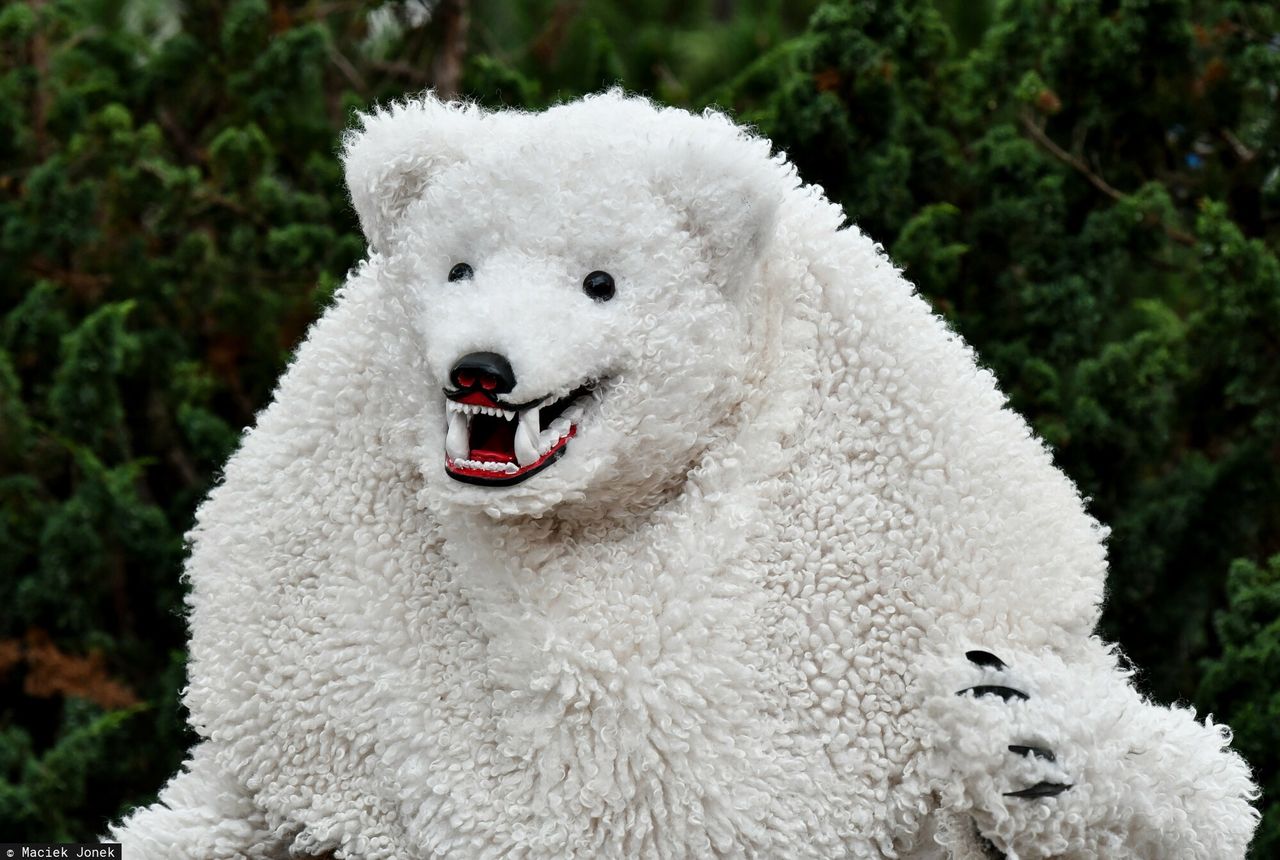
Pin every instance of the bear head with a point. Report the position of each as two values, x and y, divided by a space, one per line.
580 284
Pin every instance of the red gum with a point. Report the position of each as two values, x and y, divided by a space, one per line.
479 398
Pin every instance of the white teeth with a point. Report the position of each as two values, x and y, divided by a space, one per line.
456 443
474 409
526 444
531 442
527 435
530 420
557 431
559 427
483 466
504 468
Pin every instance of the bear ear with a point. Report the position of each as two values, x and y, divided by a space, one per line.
729 190
391 157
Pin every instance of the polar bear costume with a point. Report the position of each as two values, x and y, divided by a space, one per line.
625 505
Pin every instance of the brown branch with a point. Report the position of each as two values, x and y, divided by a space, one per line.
407 71
1038 135
320 11
84 284
1078 165
180 461
348 70
546 46
204 194
446 67
178 135
1180 236
167 438
1244 153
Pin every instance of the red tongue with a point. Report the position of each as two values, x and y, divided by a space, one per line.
493 440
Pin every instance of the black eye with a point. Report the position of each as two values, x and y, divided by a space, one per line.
461 272
599 285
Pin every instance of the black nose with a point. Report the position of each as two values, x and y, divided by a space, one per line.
483 371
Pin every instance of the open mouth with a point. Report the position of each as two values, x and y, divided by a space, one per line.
503 444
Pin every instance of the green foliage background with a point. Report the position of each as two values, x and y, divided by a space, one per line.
1088 189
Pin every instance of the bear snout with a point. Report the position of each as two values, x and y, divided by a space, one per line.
483 372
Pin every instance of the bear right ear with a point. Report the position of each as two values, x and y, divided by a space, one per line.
390 159
727 186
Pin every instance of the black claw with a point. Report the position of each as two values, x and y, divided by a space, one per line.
1005 693
985 659
1038 752
1040 789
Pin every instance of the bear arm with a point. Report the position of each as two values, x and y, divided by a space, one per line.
202 814
1044 758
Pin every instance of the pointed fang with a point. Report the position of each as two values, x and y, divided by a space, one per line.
456 443
526 445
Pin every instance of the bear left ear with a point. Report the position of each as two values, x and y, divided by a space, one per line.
392 156
728 189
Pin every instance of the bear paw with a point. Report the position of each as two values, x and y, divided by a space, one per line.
1022 748
1053 781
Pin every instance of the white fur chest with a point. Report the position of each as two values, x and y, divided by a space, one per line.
625 704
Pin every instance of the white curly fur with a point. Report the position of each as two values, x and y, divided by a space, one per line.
731 621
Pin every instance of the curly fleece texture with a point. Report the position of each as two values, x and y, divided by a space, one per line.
801 585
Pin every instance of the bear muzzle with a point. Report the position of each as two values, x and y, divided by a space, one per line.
491 442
